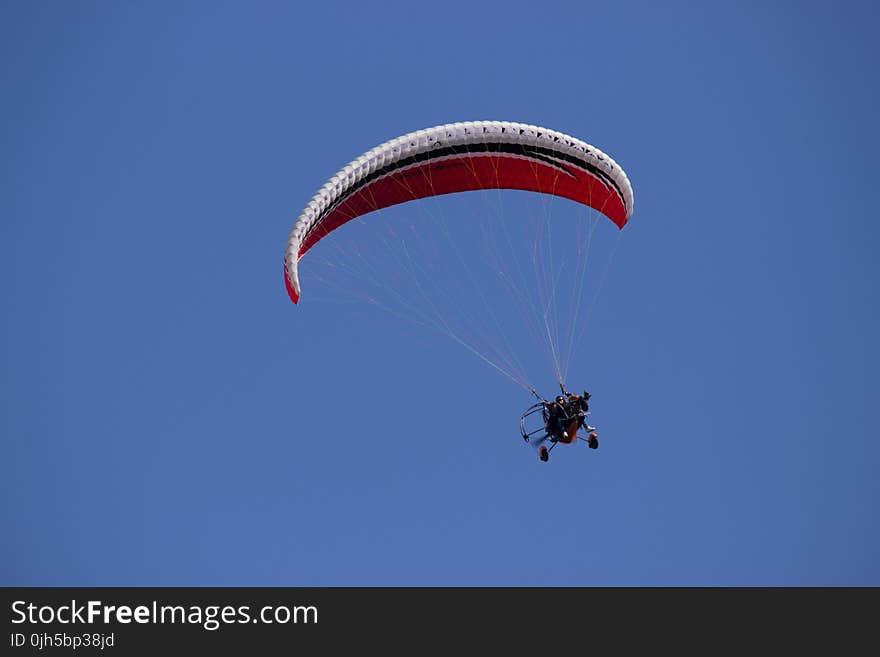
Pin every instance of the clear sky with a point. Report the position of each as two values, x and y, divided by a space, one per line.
170 418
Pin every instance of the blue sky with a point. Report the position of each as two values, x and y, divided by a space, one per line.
169 418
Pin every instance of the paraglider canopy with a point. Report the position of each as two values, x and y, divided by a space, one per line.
460 157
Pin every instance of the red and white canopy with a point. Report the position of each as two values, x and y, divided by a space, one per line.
460 157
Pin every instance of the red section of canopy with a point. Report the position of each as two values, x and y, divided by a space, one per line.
469 173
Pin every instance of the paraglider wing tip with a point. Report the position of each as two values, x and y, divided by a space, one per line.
292 288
